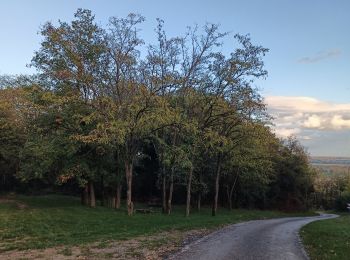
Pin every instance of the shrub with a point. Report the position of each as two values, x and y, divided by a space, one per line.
342 201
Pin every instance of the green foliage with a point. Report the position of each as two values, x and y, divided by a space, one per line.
331 188
12 132
294 179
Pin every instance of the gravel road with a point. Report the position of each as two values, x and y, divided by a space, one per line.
273 239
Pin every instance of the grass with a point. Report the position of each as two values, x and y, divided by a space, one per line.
55 220
328 239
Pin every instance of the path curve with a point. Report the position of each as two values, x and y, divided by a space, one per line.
260 239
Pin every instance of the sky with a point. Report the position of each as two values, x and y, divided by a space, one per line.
308 87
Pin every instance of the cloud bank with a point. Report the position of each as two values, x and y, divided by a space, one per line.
295 114
313 122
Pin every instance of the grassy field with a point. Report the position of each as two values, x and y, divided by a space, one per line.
48 221
328 239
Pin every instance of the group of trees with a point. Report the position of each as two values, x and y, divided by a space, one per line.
178 115
332 187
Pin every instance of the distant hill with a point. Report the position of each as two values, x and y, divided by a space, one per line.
323 160
331 165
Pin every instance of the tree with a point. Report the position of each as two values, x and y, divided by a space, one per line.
12 133
294 176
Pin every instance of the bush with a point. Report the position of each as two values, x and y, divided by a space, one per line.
342 201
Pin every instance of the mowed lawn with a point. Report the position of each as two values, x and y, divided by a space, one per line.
48 221
328 239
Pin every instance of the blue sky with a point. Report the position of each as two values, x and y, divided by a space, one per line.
309 56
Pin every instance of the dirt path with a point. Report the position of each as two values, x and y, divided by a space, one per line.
262 239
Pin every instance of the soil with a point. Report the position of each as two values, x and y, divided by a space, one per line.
152 247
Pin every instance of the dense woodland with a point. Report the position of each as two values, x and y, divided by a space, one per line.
116 119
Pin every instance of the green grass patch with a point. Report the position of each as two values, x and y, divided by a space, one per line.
328 239
55 220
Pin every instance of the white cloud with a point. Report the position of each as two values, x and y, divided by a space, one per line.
295 115
305 137
304 104
286 132
339 122
313 121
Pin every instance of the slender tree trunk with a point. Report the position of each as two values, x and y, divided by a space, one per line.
171 189
103 197
119 186
111 202
82 197
92 195
232 189
128 173
199 201
171 181
118 195
163 190
230 195
188 199
86 200
218 169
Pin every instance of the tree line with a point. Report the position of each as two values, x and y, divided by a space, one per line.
332 187
107 112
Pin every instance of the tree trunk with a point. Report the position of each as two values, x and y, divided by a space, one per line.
118 195
86 195
163 190
171 189
103 197
218 169
111 202
171 181
230 195
92 195
82 197
200 191
199 201
188 199
128 175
